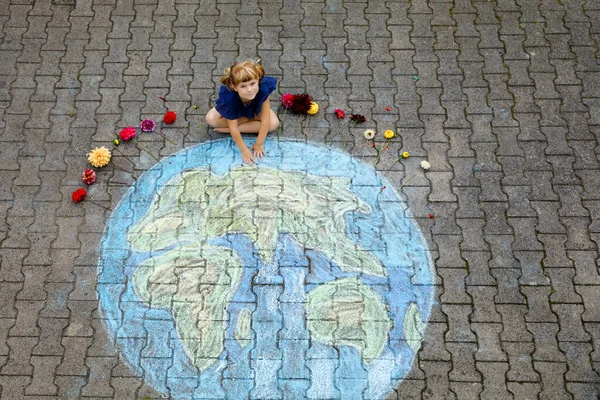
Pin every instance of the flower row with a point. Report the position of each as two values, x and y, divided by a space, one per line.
100 157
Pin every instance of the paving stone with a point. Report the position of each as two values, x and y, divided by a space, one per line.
569 316
524 390
99 380
463 363
19 359
562 285
43 376
437 385
484 309
494 385
580 368
546 345
520 361
478 267
458 330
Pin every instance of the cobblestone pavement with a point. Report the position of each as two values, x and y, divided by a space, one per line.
501 97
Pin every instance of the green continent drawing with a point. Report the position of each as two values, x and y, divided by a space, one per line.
347 312
197 281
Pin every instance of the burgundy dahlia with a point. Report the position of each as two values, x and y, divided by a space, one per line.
357 118
301 103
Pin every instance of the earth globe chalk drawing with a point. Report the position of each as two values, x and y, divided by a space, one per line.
299 278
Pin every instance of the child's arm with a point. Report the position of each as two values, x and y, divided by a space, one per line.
265 122
237 138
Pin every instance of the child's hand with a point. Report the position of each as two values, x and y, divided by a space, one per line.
259 151
247 157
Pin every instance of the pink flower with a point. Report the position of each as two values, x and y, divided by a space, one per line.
340 113
127 133
89 176
287 100
148 125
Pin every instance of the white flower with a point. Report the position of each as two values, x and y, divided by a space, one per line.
369 134
425 164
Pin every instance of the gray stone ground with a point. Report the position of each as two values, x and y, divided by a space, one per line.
502 97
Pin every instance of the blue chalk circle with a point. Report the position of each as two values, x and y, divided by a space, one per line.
298 278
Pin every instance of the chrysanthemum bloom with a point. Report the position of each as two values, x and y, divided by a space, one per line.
314 108
78 195
148 125
169 117
389 134
89 176
340 113
425 164
369 134
287 100
357 118
127 133
405 154
302 103
99 157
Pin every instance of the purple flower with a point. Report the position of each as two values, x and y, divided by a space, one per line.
148 125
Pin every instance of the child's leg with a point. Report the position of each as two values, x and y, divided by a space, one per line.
253 125
215 119
245 125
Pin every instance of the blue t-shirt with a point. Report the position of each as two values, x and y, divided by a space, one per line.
231 106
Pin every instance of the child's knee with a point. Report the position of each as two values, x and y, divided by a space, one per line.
274 123
210 120
213 118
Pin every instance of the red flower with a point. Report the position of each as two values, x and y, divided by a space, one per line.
388 109
170 117
372 144
78 195
127 133
357 118
431 216
89 176
340 113
302 103
287 100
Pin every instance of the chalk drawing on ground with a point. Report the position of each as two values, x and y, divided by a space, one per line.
299 277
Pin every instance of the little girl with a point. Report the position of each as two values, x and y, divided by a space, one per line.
243 106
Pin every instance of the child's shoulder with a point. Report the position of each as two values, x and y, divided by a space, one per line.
268 83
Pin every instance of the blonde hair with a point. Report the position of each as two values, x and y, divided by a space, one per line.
241 72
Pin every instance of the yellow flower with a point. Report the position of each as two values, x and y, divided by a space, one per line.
99 157
389 134
405 154
314 108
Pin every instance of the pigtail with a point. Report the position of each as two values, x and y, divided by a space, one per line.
227 79
260 70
